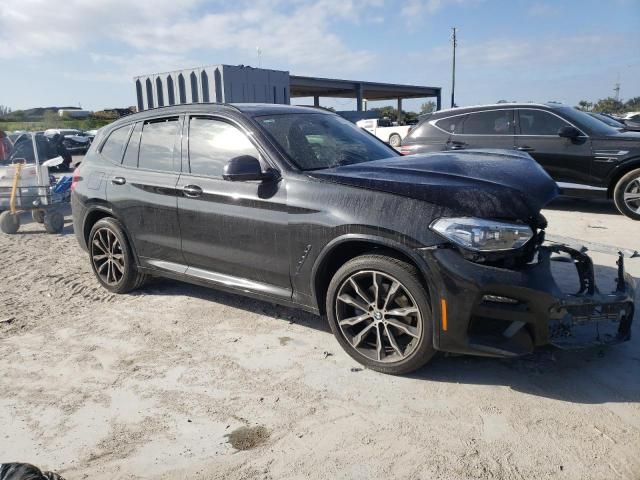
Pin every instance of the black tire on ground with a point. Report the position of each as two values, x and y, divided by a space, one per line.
37 215
129 278
53 221
9 222
626 194
395 140
418 347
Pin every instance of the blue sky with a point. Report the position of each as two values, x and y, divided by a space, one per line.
87 51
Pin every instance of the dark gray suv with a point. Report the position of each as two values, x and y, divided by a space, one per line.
585 156
405 256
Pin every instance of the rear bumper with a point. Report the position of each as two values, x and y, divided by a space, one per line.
502 312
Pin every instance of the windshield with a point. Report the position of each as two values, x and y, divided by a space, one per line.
314 141
585 121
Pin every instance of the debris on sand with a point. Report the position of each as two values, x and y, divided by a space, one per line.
246 438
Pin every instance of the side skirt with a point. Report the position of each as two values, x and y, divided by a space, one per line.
228 283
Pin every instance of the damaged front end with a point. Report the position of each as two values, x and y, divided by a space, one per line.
590 317
506 306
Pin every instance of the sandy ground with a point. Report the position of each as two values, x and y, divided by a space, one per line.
177 381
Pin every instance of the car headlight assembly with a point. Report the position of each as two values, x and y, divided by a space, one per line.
483 235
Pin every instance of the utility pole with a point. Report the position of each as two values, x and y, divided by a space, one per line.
616 88
453 71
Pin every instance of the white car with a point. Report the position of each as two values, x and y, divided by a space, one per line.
383 129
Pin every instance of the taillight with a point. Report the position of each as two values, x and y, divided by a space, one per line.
76 177
405 151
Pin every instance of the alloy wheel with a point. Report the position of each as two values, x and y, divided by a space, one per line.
107 256
631 195
378 316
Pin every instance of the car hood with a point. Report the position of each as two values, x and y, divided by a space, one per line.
481 183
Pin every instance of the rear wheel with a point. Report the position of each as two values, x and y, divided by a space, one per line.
626 194
395 140
53 221
112 260
380 314
9 222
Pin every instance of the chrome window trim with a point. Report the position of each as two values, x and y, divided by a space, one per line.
433 123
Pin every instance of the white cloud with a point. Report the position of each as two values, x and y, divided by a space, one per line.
289 32
543 10
512 53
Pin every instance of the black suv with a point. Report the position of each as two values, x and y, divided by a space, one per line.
405 256
583 154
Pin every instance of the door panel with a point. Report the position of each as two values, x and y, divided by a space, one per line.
146 200
565 160
235 230
486 129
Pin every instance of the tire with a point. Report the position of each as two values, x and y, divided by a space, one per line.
395 140
412 345
9 222
53 221
626 194
37 215
116 280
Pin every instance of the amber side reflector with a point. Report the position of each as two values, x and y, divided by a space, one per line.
443 309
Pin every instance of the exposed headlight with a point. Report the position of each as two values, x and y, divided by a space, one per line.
482 235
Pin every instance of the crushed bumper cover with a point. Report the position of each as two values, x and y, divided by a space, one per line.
503 312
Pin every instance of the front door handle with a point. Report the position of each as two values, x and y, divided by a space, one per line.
118 180
525 148
192 191
457 146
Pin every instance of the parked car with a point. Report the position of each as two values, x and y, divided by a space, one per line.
75 141
385 130
582 154
614 122
632 122
405 256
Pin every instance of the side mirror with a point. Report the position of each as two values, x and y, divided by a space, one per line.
246 168
569 132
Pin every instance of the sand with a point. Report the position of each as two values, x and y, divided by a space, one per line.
177 381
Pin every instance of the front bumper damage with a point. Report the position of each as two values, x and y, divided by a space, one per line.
506 312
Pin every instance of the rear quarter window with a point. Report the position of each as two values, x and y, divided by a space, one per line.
113 148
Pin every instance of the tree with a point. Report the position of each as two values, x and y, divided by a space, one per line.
584 105
386 112
632 105
4 110
609 105
428 107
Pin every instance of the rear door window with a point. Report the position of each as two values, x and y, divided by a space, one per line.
492 122
114 146
157 143
451 124
212 143
539 122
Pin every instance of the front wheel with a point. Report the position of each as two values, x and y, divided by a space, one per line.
626 194
379 311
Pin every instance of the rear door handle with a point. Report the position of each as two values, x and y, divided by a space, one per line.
192 191
525 148
118 180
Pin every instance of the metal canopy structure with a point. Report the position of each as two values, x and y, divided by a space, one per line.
317 87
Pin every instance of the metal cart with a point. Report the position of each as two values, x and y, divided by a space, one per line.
25 184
